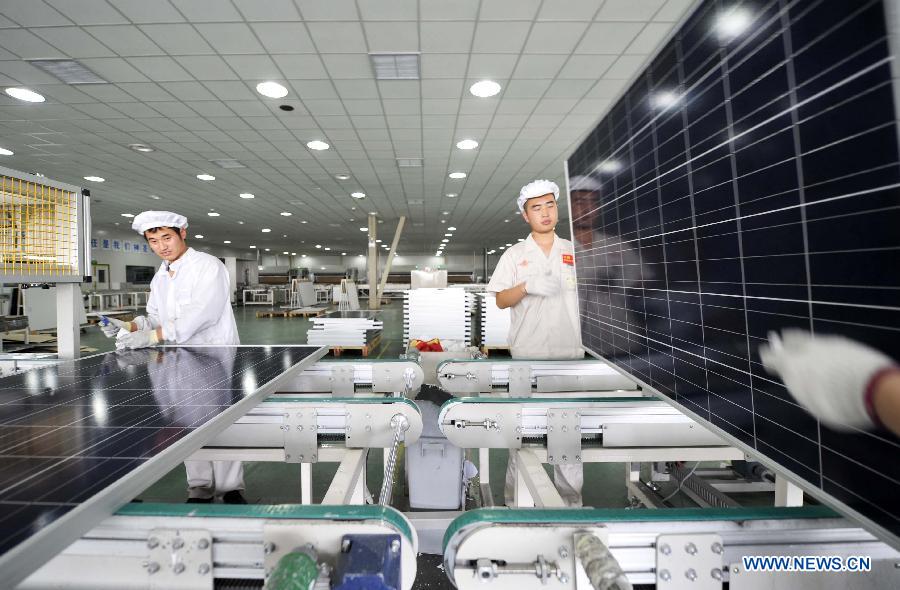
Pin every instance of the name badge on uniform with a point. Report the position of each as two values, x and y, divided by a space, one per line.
568 259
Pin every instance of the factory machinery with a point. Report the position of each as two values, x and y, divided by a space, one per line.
296 408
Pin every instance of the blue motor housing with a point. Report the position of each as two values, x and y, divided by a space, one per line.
368 562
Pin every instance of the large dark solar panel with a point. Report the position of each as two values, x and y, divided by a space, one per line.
750 183
81 438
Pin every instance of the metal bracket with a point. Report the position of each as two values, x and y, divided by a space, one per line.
342 379
300 437
689 562
179 559
563 436
519 380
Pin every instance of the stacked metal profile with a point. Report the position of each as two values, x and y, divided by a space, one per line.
345 328
438 313
494 322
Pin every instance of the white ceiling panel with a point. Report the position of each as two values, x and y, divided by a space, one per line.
182 78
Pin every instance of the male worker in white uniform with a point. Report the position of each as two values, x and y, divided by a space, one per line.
536 279
189 303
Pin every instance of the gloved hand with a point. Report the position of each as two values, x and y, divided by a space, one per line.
831 376
542 285
139 339
111 326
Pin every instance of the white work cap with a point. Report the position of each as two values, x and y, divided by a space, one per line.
537 188
584 183
151 219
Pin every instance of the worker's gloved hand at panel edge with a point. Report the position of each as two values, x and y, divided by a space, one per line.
111 326
138 339
831 376
545 285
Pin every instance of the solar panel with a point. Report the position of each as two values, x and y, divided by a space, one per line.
749 182
79 439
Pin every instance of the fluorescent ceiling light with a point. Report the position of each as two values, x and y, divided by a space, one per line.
467 144
205 177
318 246
226 241
127 214
457 175
358 195
508 245
327 249
286 213
363 229
5 152
68 70
451 228
266 230
451 195
343 253
25 95
154 197
485 88
342 176
285 252
409 162
395 66
377 241
247 196
271 89
317 145
506 221
267 249
254 247
293 253
213 214
199 236
95 178
140 147
227 163
502 248
445 240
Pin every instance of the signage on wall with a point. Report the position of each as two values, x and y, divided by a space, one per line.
117 245
104 244
94 244
128 246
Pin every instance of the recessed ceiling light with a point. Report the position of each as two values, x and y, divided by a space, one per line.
327 249
268 249
363 229
265 230
732 23
271 89
154 197
304 221
25 94
5 152
445 240
451 228
506 221
358 195
303 256
199 236
286 213
317 145
342 176
457 175
240 223
95 178
285 252
140 147
485 88
451 195
206 177
293 253
664 99
445 212
127 214
521 240
247 196
253 247
283 235
448 235
467 144
508 245
213 214
443 221
343 253
226 241
502 248
377 241
318 246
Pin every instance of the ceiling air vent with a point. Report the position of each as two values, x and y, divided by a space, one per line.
395 66
416 201
227 163
409 162
68 70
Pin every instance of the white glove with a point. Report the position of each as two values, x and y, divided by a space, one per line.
140 323
828 375
543 285
112 326
139 339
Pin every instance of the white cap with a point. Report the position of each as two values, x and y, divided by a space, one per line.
536 188
151 219
584 183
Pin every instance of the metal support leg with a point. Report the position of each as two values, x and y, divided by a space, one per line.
484 475
68 330
306 483
535 483
346 486
786 493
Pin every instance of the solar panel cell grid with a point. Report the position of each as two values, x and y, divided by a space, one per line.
750 183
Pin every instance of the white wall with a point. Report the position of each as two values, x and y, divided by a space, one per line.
331 263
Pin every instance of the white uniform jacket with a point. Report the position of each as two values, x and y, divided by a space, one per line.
194 305
541 327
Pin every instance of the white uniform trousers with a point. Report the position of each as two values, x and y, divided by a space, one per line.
206 479
569 480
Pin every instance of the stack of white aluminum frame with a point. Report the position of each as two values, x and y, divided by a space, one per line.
438 313
494 322
345 328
